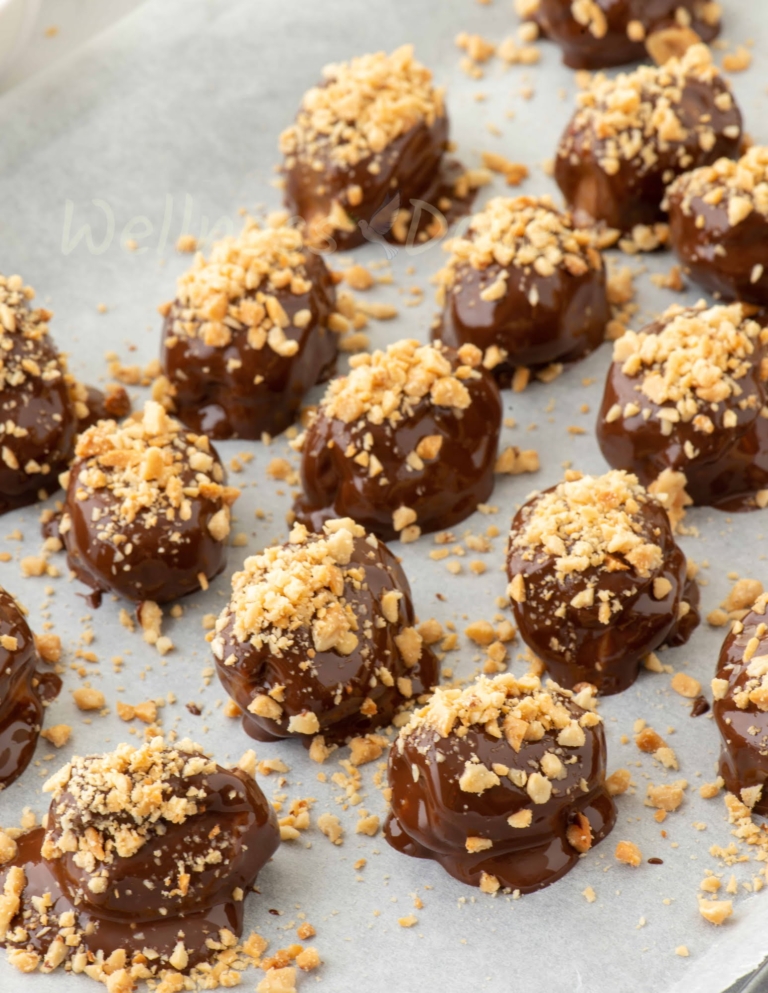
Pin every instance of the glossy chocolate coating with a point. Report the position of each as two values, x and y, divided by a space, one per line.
582 50
161 562
578 647
215 392
743 755
23 690
446 491
42 406
43 409
408 169
718 255
567 322
731 464
432 817
143 907
335 686
633 196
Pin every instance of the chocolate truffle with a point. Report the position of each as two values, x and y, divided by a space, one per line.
406 443
23 691
718 223
366 142
596 34
523 285
147 512
740 691
248 333
633 134
318 638
597 581
688 393
146 858
502 783
42 407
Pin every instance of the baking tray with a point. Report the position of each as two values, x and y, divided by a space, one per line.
169 122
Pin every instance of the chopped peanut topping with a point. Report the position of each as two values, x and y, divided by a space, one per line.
738 187
298 586
387 385
153 468
715 911
628 853
123 797
586 522
361 108
238 289
524 232
692 366
628 117
515 703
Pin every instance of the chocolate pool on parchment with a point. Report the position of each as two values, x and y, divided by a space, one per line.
142 869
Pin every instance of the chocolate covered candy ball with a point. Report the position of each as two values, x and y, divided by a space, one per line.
146 859
740 690
23 691
247 334
366 142
718 223
523 285
502 783
597 581
147 513
405 443
634 133
42 406
687 394
596 34
318 641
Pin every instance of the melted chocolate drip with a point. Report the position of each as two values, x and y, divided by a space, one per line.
699 706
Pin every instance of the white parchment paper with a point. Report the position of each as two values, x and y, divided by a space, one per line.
169 124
